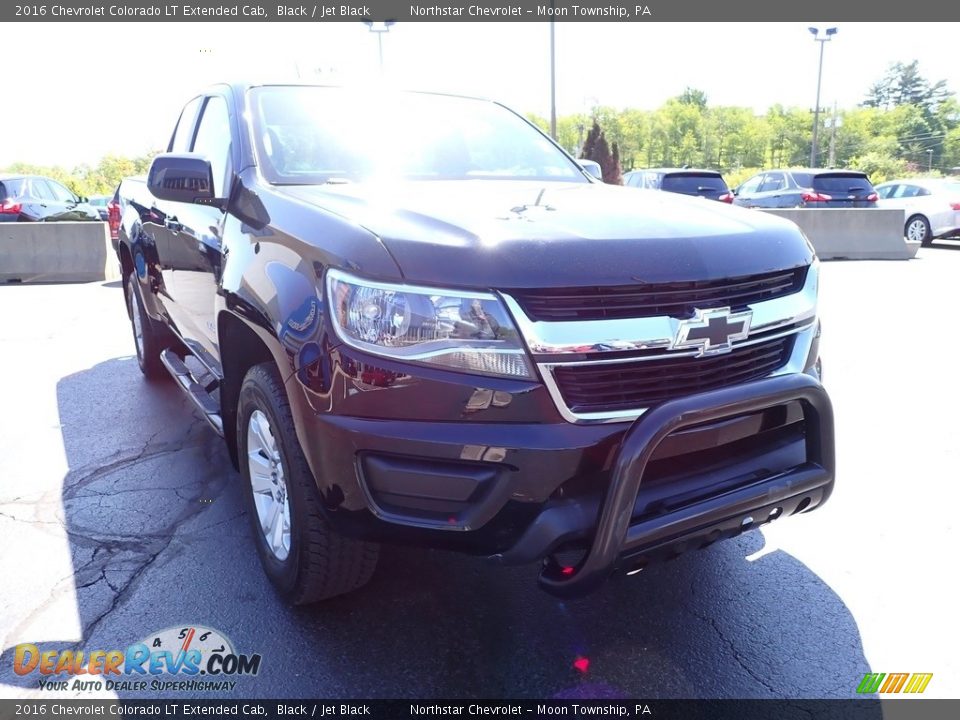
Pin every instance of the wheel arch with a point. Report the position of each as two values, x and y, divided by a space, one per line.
241 347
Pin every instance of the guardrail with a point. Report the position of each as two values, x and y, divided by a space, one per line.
56 252
853 233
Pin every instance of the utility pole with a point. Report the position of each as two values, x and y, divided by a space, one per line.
816 110
832 162
553 75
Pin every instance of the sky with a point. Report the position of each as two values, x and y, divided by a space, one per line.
91 89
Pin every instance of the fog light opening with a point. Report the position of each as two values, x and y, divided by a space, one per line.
804 504
774 514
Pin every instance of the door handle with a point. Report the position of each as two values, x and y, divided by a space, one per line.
172 224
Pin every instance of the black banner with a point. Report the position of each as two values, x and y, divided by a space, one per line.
867 709
482 11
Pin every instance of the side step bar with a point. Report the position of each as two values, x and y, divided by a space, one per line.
197 393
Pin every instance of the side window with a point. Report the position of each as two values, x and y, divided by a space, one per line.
772 181
905 191
884 192
751 185
41 190
922 191
180 142
213 142
60 192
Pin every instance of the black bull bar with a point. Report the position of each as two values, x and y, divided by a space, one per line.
614 538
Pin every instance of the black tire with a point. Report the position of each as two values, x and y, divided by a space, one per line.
152 340
320 563
918 228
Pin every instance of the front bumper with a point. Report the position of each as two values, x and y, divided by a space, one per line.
493 482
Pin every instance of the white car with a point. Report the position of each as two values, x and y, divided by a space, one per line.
931 206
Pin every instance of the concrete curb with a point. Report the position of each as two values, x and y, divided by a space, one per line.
852 233
56 252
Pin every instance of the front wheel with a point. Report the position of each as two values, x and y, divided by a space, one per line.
917 229
147 339
305 559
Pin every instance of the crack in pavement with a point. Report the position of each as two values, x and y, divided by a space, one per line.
126 556
738 658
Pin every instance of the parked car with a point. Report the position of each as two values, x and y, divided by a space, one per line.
31 198
931 206
99 203
113 217
806 188
456 339
686 181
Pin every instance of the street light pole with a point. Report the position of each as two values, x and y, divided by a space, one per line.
929 160
816 110
379 28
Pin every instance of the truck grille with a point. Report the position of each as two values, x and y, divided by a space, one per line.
677 299
609 387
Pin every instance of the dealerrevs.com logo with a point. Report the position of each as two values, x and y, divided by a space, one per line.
188 659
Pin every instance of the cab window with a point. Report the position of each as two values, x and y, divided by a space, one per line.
213 142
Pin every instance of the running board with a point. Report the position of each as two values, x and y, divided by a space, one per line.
195 391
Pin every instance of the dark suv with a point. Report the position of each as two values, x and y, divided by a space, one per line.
415 319
807 189
703 183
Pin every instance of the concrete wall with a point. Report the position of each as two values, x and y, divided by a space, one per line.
56 252
853 233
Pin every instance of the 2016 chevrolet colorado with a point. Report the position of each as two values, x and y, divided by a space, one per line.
415 319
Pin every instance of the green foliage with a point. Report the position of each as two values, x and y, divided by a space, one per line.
85 180
907 126
880 167
692 96
904 85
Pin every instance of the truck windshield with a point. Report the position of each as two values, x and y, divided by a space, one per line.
311 135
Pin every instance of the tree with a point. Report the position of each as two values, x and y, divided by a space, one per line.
904 85
614 172
596 148
692 96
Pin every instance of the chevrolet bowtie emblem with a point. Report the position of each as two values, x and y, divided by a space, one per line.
713 331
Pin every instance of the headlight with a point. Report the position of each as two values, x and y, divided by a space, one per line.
455 329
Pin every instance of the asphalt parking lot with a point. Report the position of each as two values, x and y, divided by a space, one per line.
121 516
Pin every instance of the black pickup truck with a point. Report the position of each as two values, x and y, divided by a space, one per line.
415 319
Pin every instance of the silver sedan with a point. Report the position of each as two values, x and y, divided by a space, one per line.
931 206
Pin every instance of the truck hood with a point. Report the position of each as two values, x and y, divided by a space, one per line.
518 234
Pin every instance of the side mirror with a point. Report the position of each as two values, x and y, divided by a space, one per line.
592 167
181 178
